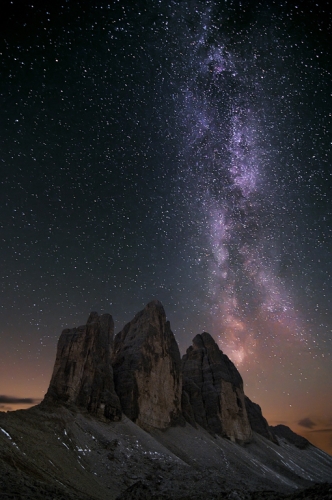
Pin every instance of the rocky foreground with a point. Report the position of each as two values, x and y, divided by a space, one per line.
125 418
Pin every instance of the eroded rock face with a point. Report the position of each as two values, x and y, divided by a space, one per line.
284 432
214 389
257 421
147 369
83 373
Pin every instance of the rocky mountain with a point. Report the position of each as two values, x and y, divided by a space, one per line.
257 422
83 373
214 389
284 432
147 369
125 418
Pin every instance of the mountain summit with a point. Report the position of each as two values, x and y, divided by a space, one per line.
214 388
139 372
147 369
83 373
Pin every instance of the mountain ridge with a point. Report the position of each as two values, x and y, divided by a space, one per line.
126 417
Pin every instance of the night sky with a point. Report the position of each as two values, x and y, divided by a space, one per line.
171 150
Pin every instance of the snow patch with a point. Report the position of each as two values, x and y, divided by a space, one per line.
5 432
9 437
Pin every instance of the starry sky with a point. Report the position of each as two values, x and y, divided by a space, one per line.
171 150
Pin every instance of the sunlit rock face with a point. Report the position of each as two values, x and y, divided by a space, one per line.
147 369
83 373
214 389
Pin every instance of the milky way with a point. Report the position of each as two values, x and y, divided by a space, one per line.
178 151
227 157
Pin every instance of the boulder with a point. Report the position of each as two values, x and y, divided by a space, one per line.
83 373
214 388
147 369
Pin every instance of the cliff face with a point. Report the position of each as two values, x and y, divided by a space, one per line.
213 391
83 373
257 422
147 369
140 374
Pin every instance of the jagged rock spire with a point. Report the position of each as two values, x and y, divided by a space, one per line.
139 373
83 373
213 390
147 369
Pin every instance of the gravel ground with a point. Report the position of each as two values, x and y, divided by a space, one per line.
59 453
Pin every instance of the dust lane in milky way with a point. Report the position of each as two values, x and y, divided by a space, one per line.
178 151
227 157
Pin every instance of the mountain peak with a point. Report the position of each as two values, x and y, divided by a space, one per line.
83 373
147 369
213 388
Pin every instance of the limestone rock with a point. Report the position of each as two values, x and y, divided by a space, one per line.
83 373
215 390
282 431
187 410
257 422
147 369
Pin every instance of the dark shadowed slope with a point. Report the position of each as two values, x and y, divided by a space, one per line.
56 453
